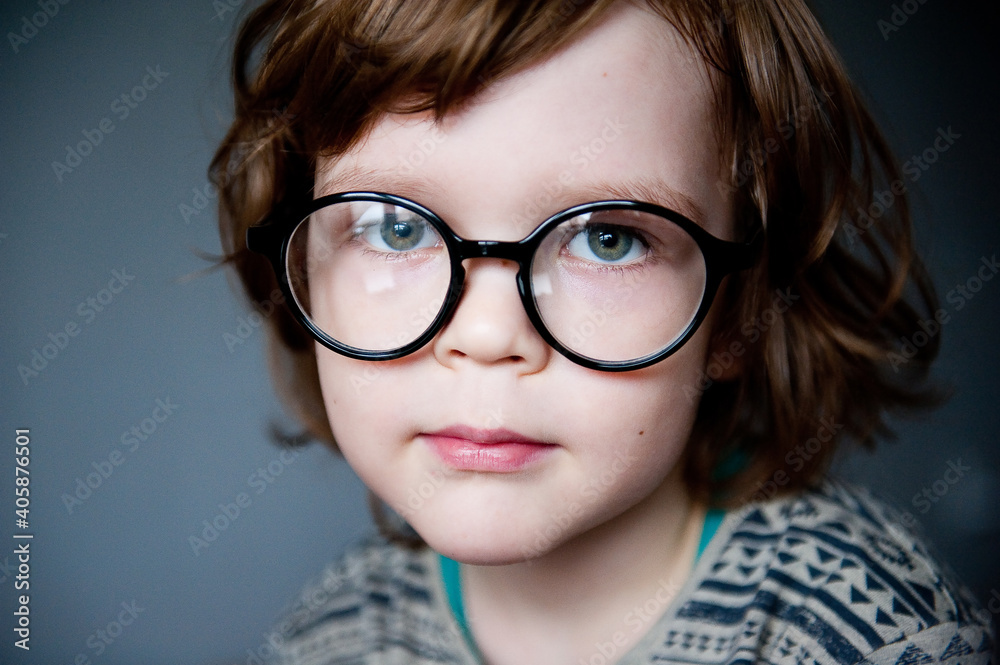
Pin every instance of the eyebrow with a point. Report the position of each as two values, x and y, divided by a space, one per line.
648 190
640 188
359 179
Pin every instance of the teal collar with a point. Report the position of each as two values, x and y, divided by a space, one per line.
452 578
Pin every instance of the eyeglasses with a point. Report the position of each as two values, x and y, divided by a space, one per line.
611 285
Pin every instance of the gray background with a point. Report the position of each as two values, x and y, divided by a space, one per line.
161 338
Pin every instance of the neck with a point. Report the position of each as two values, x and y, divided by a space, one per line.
606 587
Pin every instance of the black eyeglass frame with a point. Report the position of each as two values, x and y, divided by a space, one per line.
272 237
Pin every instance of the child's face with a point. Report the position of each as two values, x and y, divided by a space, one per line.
629 102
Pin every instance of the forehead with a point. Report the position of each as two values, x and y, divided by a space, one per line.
625 111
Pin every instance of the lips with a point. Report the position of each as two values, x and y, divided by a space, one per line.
494 450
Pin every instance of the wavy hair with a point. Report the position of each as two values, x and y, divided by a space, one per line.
816 326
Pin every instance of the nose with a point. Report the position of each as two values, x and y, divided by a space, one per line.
490 326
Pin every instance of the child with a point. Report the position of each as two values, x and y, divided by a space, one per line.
580 291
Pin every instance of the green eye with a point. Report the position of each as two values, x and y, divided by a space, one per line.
606 243
399 234
393 230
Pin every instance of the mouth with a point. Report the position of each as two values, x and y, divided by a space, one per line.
490 450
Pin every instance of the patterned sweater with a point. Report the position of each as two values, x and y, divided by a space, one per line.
826 576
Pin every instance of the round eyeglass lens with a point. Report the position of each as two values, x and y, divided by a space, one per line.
371 275
616 285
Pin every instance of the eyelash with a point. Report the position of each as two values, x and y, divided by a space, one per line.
356 240
649 258
634 266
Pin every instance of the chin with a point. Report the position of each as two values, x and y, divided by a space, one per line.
488 553
480 544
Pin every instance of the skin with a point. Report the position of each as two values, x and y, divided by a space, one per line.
545 558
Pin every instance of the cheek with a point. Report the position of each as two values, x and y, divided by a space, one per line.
640 440
357 400
634 427
376 409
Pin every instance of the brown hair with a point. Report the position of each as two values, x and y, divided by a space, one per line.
815 326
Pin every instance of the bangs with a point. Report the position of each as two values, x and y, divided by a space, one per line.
335 68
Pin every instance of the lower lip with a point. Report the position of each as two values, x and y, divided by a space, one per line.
500 457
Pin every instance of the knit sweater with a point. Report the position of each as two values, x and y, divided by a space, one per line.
824 576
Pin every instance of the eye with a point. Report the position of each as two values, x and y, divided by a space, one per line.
389 228
607 243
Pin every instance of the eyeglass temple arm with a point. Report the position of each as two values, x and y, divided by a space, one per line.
735 256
